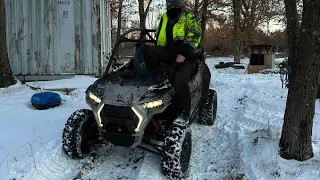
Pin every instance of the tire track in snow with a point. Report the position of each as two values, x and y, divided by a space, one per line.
113 162
252 125
247 111
240 106
106 162
49 163
214 155
215 148
57 167
244 122
233 107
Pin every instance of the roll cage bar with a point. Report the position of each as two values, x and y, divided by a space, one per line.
141 40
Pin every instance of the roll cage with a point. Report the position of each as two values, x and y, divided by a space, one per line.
144 37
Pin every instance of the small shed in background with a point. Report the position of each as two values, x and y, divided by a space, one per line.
55 39
261 57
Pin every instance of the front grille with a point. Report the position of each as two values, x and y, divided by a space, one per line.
119 119
121 112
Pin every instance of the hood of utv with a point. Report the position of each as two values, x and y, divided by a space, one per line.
126 89
123 95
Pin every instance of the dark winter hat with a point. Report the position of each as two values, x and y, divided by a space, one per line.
174 4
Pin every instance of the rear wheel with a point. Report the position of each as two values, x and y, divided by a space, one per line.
79 134
176 151
209 112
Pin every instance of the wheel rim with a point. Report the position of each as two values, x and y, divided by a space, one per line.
185 152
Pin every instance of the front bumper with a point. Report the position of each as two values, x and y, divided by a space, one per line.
122 139
117 125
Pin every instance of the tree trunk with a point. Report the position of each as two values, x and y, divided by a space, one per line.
236 30
292 31
252 22
295 142
143 13
6 78
119 16
196 9
268 30
204 20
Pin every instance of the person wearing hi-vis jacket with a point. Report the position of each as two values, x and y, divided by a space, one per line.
177 37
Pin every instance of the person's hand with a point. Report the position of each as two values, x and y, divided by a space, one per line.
180 59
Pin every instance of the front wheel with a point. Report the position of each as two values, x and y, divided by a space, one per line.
79 134
176 151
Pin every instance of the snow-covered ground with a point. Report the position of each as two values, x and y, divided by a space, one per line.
242 144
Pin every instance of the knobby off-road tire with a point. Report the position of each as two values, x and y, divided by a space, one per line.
209 113
79 133
176 151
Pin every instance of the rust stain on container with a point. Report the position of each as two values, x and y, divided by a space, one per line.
77 45
45 69
96 9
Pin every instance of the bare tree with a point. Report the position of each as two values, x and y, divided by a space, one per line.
248 15
292 30
295 142
6 77
252 19
236 29
270 10
196 8
204 18
143 12
119 17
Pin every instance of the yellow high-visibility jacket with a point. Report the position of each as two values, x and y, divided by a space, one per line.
186 29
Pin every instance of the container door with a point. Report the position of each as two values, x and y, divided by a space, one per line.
66 57
105 22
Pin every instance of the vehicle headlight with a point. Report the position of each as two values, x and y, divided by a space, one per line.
152 104
140 117
95 98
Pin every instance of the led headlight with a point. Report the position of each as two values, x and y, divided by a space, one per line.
152 104
92 100
136 111
95 98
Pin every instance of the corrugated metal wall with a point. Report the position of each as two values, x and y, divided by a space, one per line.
54 37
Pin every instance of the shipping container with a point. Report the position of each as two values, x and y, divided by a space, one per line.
52 39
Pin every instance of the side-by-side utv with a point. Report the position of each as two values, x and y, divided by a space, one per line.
125 112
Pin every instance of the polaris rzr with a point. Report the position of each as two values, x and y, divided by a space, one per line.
127 111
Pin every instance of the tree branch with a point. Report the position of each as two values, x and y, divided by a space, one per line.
148 7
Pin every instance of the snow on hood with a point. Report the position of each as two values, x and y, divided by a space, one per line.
123 95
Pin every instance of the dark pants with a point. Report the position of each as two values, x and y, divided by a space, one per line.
179 73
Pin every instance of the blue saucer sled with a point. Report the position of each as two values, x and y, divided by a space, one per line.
45 100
